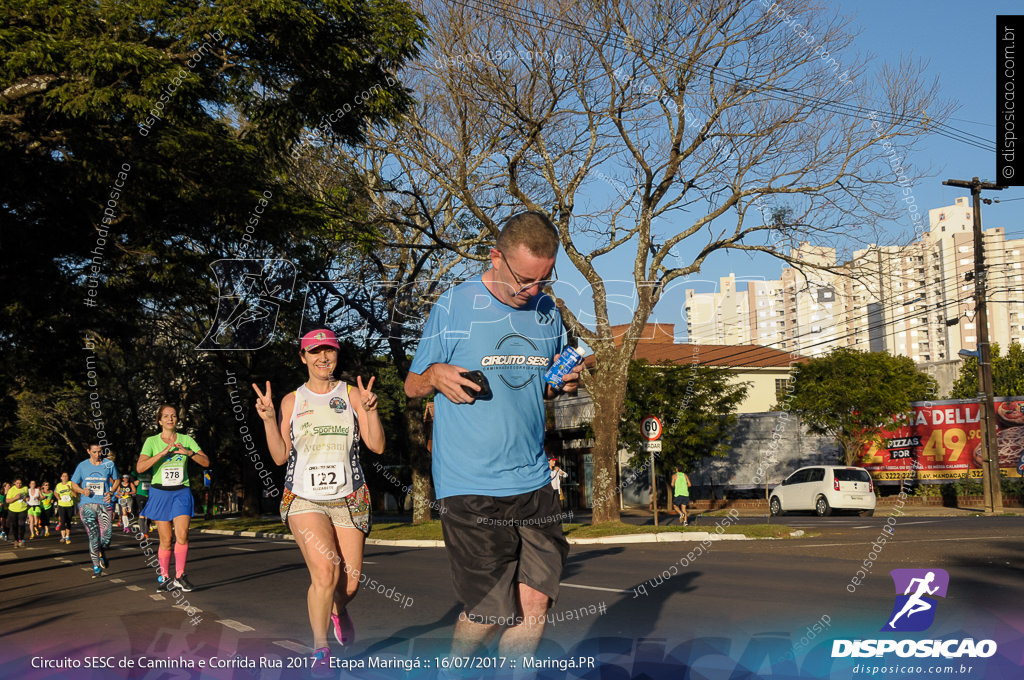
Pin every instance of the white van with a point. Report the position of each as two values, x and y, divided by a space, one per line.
824 488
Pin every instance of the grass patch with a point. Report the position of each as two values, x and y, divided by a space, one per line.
403 531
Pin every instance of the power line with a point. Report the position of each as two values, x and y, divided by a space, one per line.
926 312
892 321
842 108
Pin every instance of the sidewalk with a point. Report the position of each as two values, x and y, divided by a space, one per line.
644 517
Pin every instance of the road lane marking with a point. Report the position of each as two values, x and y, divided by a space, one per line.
135 588
185 607
607 590
907 540
294 647
158 597
245 549
235 625
8 556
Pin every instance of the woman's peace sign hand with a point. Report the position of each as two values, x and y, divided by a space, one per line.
366 397
264 403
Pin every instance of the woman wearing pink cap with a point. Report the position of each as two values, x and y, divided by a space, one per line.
326 502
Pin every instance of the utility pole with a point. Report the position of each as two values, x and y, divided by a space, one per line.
990 481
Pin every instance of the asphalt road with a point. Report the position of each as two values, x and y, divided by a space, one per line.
644 609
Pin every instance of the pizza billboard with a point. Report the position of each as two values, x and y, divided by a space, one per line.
944 439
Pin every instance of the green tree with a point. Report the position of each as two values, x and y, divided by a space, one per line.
208 105
852 395
663 132
696 405
1007 374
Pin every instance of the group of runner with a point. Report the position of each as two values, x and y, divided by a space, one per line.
499 570
26 511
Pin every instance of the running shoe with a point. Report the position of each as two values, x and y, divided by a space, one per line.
322 663
344 630
167 584
184 583
103 558
47 531
96 571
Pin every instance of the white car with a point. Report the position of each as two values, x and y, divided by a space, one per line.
824 488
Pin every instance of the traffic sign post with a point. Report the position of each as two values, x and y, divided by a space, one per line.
651 429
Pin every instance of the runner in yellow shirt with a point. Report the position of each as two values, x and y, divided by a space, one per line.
17 512
65 507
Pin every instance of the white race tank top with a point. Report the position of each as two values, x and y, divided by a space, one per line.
323 462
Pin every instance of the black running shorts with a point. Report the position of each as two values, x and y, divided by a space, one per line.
493 543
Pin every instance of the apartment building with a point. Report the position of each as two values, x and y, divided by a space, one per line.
914 300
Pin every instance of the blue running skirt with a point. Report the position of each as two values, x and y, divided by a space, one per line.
164 506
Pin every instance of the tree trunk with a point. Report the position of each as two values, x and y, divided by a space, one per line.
419 460
608 388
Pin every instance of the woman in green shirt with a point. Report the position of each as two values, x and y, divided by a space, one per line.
166 455
46 502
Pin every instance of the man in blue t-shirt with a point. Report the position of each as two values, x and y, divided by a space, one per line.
96 480
501 519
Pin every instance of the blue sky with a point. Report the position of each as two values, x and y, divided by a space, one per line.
957 42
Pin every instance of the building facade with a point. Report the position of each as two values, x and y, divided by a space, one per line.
915 300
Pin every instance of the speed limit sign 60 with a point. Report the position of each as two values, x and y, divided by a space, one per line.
650 428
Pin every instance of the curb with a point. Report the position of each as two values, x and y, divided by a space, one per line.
698 536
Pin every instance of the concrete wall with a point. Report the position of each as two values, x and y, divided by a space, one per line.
753 461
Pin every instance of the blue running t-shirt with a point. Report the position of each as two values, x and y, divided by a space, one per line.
492 447
100 478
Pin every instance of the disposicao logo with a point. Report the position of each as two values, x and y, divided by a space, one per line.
914 611
916 590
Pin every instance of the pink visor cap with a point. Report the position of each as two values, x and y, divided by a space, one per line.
319 338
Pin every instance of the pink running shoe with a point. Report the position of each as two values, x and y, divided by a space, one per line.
344 630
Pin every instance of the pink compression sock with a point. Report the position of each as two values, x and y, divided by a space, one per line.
165 561
180 553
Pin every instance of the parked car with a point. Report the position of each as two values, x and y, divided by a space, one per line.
824 488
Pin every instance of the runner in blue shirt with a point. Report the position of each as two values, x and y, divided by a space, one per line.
96 480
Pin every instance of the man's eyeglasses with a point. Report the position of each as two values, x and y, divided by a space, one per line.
523 287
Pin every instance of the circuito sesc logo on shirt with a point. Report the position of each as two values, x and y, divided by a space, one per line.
517 360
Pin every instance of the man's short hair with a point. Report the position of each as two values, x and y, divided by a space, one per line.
531 229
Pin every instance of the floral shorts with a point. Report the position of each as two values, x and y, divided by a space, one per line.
351 511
